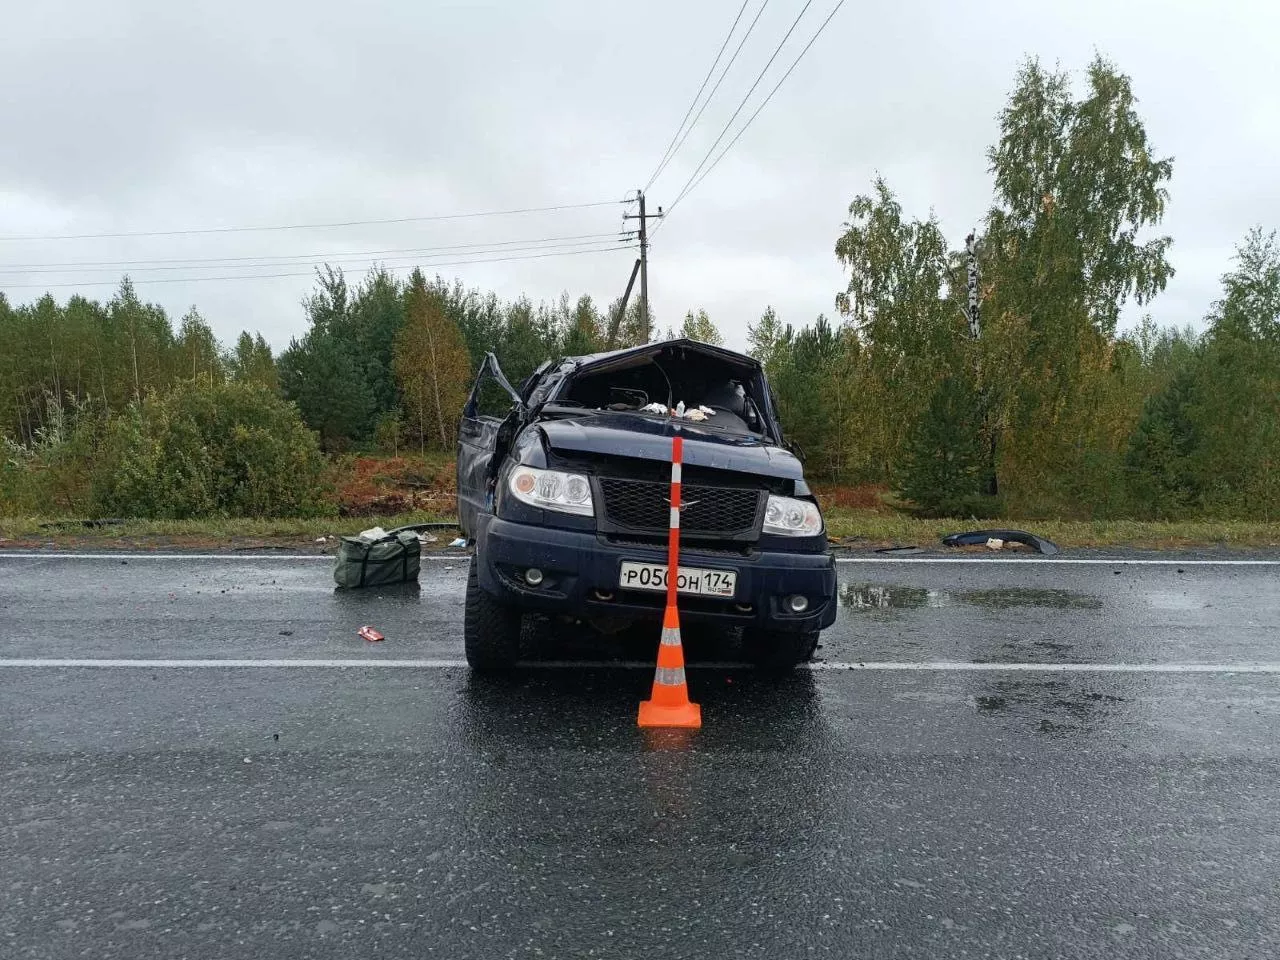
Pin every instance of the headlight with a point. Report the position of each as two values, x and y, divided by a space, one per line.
792 518
552 490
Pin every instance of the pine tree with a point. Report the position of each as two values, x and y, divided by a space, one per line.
763 337
198 352
319 375
699 327
944 453
584 334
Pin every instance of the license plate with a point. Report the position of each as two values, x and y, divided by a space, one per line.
653 576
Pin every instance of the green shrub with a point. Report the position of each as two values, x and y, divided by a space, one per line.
232 449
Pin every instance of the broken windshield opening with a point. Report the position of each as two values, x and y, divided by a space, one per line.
713 392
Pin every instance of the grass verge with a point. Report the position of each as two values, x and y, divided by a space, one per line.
210 533
857 528
879 528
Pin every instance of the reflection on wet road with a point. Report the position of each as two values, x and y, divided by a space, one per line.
1044 612
330 811
881 596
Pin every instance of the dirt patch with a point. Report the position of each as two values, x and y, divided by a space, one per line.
866 497
367 486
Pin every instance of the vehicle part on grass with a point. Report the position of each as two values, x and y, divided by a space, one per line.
995 543
900 548
977 538
370 634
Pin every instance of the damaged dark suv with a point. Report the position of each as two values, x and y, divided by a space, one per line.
565 490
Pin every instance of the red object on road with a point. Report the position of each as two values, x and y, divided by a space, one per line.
370 634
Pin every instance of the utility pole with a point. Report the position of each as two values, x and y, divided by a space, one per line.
615 322
644 260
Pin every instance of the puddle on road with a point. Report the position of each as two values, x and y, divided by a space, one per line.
880 596
1020 597
876 596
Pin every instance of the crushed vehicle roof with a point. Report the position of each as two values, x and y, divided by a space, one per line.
647 350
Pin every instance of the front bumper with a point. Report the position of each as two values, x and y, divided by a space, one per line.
581 568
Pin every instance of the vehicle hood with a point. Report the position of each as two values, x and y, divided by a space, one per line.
647 438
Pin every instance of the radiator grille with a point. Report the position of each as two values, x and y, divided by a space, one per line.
644 505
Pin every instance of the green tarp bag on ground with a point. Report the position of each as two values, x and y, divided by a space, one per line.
394 558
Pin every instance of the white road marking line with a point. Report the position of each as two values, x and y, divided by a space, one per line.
4 554
464 558
225 664
1086 561
943 666
887 666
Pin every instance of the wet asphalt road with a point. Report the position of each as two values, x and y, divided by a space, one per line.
991 808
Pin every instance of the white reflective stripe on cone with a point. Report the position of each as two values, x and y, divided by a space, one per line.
670 637
675 473
669 676
675 518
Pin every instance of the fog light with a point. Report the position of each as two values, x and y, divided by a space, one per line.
797 603
533 576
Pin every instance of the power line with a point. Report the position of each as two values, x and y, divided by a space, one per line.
274 276
268 260
337 260
763 104
760 76
666 156
311 226
711 95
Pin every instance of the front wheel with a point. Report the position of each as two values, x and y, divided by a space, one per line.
778 651
490 630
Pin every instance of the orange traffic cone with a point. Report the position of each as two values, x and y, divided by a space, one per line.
669 705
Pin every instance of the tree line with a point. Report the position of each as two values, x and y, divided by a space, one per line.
390 362
1049 410
112 408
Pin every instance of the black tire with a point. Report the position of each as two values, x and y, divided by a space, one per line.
490 630
777 651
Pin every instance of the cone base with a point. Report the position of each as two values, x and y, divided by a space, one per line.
686 715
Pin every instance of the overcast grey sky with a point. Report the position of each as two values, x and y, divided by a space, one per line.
140 116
